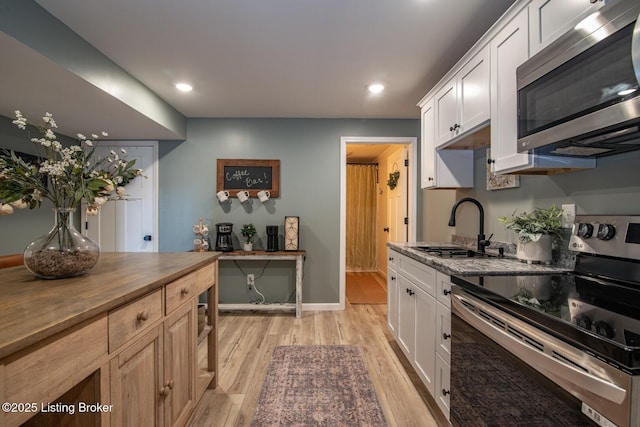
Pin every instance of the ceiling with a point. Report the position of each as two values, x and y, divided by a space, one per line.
251 58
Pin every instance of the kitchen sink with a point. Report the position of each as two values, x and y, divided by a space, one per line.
452 252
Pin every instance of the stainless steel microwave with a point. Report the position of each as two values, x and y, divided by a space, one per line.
580 96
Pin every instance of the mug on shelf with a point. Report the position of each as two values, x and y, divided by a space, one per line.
264 195
223 195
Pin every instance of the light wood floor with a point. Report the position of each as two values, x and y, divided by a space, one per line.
247 340
366 288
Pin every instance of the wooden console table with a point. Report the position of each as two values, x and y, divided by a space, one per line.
297 256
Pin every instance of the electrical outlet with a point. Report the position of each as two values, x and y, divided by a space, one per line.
250 279
568 215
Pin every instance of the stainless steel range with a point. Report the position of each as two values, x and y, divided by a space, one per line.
580 330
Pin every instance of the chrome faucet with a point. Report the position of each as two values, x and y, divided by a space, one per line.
482 242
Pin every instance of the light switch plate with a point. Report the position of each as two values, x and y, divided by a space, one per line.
568 215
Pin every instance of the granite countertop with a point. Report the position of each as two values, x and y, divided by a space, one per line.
486 266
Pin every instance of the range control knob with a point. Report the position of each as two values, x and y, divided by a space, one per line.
606 231
582 321
585 230
603 328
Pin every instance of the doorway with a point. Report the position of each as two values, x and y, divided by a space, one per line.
129 223
390 153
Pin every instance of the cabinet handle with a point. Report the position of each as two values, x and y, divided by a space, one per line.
445 392
446 292
446 336
142 316
184 291
164 391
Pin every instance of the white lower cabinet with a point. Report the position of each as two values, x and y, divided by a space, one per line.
392 292
443 340
443 385
420 318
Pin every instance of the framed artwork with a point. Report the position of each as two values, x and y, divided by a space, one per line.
500 182
234 175
291 233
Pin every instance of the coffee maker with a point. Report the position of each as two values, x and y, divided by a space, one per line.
223 237
272 238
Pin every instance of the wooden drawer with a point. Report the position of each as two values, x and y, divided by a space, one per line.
48 369
180 291
206 277
134 318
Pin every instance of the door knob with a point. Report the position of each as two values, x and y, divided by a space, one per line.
386 229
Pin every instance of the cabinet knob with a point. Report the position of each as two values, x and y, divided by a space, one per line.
445 392
446 292
446 336
491 161
391 258
393 277
430 178
184 291
142 316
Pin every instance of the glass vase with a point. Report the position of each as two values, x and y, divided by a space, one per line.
63 251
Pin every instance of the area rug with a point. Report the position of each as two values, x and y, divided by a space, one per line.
486 391
365 288
319 385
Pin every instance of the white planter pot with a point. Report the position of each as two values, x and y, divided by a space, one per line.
247 247
539 251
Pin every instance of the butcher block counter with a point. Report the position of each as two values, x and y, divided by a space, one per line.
79 351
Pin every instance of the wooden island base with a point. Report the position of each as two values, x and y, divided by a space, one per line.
134 342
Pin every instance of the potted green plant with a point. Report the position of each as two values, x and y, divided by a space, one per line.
536 232
248 231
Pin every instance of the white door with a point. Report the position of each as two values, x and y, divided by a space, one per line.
129 224
397 199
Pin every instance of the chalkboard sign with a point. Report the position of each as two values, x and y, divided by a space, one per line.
253 176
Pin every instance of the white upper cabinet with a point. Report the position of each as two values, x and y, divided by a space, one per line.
509 49
442 168
549 19
462 104
473 92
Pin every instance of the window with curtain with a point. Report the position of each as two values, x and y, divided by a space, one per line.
361 217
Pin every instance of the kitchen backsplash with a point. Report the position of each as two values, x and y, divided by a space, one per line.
562 256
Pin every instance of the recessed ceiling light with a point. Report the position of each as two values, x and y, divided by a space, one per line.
184 87
376 88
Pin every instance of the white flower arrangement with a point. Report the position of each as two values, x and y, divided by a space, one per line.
63 174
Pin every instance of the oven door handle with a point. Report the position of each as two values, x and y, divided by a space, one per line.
548 366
